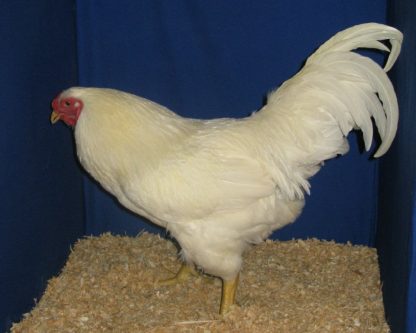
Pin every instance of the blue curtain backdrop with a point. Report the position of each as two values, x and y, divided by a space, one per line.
40 184
396 236
207 59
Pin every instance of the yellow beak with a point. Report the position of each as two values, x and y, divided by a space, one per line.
54 117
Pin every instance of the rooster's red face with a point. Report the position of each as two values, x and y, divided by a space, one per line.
66 109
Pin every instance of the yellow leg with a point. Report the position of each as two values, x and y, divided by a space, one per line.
229 289
184 273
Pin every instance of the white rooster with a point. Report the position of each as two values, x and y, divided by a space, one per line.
219 185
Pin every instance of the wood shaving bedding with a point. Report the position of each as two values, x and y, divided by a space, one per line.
108 285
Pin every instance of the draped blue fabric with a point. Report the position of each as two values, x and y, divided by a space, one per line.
40 184
207 59
396 236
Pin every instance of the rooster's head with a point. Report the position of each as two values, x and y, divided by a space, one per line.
67 109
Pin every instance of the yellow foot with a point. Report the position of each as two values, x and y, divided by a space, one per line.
229 289
184 273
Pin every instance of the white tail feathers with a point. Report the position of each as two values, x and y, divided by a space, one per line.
367 35
336 91
334 54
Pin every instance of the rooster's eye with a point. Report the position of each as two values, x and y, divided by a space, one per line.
67 103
